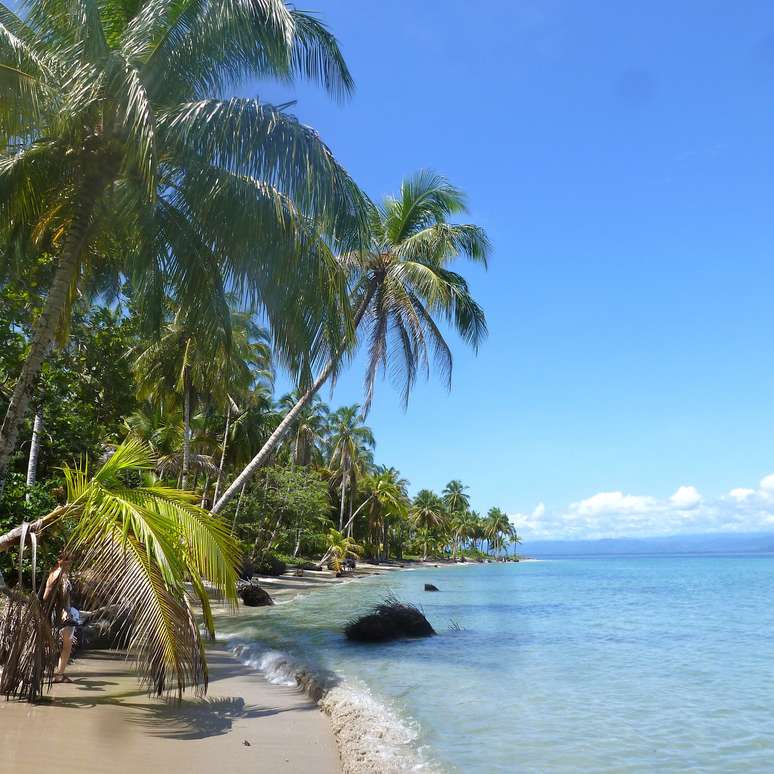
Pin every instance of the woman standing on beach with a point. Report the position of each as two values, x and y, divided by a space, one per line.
57 594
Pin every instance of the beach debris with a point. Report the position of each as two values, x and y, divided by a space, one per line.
431 587
389 620
246 743
252 595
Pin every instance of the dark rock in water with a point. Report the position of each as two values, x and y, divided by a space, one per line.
253 595
389 621
430 587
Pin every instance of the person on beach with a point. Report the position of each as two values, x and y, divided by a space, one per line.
57 594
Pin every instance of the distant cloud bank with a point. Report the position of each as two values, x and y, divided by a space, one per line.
615 514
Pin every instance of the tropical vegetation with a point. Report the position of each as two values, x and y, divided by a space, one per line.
171 253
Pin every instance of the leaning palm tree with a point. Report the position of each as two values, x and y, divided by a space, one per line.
138 548
400 289
118 153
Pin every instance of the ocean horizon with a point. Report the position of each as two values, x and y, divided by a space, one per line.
595 664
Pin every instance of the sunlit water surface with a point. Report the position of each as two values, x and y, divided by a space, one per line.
573 665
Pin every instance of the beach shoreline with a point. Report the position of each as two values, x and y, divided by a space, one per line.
247 721
105 721
352 715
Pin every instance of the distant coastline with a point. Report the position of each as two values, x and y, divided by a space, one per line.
708 543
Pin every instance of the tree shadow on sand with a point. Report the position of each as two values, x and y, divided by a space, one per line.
171 719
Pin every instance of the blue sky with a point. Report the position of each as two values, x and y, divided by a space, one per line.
621 157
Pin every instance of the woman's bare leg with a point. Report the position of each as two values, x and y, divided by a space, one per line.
67 646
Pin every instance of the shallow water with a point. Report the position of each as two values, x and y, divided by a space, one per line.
573 665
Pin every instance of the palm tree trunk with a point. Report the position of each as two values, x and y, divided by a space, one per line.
204 490
386 541
42 337
343 499
219 482
239 505
285 425
32 464
10 538
354 515
273 535
349 523
186 428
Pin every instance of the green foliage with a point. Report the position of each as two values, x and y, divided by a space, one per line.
139 543
283 505
270 564
16 508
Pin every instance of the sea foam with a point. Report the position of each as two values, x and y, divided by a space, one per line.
372 737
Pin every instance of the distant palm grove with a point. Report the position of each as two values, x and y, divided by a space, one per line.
168 253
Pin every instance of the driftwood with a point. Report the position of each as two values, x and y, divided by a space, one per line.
389 620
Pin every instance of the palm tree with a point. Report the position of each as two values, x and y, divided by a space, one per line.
175 368
138 546
32 462
400 287
340 548
158 426
427 513
244 367
455 497
118 154
350 442
387 501
464 527
477 530
498 528
457 502
190 363
308 431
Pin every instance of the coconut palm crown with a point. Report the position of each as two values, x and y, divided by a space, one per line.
405 287
402 291
119 151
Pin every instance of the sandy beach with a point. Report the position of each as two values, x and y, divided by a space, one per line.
104 721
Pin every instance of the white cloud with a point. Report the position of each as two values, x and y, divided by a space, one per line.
613 502
617 514
685 497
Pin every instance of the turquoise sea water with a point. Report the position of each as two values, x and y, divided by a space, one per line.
630 664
